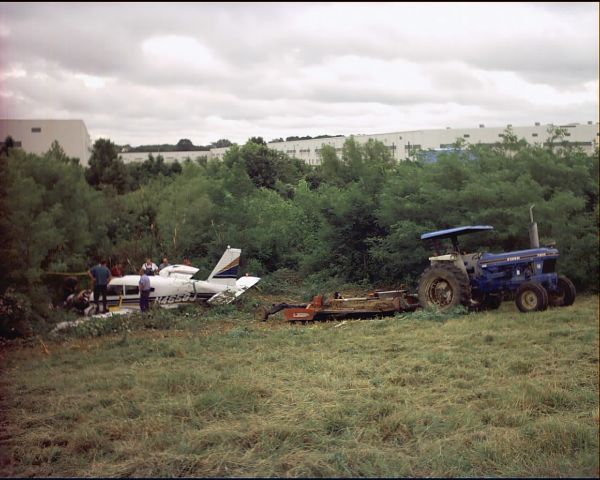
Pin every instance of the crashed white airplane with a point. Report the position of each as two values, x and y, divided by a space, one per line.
174 286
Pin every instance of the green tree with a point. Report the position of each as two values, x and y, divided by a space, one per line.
184 144
184 215
5 152
106 168
270 233
223 142
55 219
331 166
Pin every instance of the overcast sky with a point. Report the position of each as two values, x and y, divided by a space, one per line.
156 73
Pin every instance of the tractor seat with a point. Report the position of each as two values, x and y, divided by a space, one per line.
470 261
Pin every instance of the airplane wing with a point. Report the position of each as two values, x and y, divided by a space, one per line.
227 296
178 271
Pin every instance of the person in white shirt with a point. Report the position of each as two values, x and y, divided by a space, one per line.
150 267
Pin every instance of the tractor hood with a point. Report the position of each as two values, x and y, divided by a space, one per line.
518 256
455 232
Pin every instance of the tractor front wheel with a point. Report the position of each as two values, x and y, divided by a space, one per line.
443 287
531 297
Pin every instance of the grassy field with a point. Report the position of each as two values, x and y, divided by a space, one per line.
488 394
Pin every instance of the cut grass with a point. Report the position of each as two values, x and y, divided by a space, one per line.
488 394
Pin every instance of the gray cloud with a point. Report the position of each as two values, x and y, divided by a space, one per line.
144 73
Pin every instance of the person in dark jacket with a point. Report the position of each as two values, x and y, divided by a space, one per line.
100 275
69 287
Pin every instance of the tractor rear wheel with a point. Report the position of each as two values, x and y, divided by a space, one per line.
565 295
531 297
444 286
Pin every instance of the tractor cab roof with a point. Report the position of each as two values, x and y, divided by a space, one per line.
455 232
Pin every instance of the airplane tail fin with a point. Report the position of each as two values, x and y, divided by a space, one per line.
226 271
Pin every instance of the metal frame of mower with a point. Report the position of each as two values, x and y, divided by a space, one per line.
480 280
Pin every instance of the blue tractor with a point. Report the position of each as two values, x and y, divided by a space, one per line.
481 280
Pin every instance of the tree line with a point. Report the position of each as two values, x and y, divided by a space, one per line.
183 145
357 217
305 137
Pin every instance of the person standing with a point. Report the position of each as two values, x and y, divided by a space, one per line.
144 290
150 267
186 262
165 263
117 270
100 275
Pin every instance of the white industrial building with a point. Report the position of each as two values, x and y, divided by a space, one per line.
404 144
37 136
180 157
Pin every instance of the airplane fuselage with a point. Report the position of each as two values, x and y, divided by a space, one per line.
165 291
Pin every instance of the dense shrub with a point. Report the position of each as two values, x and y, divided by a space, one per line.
356 218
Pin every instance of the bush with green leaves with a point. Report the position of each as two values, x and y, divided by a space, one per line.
356 218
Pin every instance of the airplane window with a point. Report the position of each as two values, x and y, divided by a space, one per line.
130 290
114 290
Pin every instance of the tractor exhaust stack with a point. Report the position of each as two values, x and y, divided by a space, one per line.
534 239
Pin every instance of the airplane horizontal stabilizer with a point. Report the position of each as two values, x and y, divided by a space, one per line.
228 296
244 283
